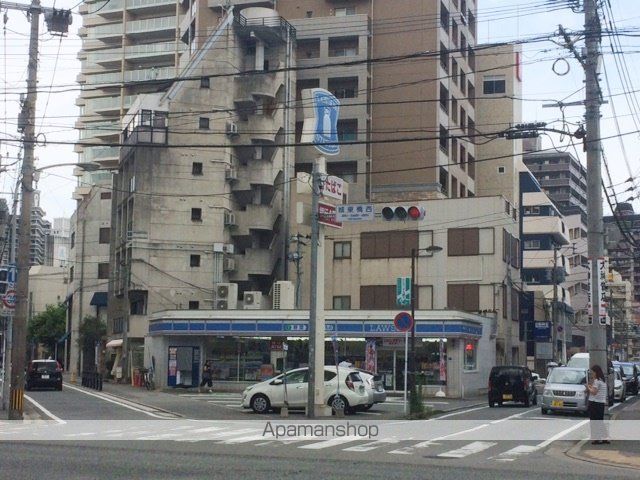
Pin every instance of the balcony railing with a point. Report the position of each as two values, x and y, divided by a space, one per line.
273 22
146 126
151 24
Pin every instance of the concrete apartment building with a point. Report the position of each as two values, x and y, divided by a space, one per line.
88 269
47 286
621 229
624 330
40 248
61 238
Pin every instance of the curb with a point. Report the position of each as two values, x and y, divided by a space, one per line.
575 453
129 399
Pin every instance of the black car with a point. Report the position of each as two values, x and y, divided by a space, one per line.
630 374
511 384
44 374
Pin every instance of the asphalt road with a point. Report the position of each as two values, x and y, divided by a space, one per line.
167 446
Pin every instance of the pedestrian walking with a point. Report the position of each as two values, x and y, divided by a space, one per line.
206 377
597 389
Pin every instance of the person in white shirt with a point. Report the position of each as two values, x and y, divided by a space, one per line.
597 389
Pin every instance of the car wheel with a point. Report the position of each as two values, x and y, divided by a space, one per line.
340 403
492 405
260 403
544 411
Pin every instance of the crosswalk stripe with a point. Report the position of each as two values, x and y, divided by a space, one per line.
250 438
469 449
519 451
329 443
371 445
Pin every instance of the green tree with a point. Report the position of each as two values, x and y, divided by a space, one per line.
92 330
47 327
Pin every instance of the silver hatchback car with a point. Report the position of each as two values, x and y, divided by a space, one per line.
565 391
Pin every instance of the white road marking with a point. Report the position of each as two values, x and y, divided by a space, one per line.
371 445
250 438
516 452
329 443
561 434
45 411
469 449
461 412
120 403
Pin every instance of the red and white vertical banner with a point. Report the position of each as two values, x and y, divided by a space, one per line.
371 356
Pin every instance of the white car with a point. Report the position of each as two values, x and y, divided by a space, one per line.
375 387
619 389
270 394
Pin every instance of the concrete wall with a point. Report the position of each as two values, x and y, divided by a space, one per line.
47 286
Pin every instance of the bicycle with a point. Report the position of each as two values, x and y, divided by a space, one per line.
149 384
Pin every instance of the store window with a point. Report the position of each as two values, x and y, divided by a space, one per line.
470 355
342 250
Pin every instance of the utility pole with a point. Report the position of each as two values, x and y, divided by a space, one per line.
593 100
296 257
554 305
58 21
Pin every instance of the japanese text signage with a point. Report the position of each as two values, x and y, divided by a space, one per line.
355 213
332 187
327 215
403 291
600 277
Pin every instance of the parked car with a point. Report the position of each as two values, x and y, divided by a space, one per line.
511 384
581 360
43 374
565 391
630 375
538 383
270 394
373 383
619 388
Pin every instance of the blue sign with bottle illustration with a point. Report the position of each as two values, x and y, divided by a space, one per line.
321 113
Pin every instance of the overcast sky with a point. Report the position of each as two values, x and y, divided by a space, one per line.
499 20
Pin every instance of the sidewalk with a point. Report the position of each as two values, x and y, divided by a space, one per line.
625 454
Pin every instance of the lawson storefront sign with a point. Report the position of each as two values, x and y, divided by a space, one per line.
353 328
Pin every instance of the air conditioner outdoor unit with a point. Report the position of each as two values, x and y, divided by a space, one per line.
252 300
229 264
229 219
232 129
284 295
227 296
231 174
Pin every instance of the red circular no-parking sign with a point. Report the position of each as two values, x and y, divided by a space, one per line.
9 299
403 321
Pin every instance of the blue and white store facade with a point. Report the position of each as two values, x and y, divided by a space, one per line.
252 345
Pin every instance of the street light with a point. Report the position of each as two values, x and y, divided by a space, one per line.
19 329
414 254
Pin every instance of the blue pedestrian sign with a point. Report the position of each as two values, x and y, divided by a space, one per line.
320 127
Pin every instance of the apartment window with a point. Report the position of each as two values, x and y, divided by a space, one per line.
73 239
515 252
515 305
309 13
444 181
203 123
304 85
454 70
342 302
444 57
463 119
493 84
205 82
391 244
454 32
501 170
196 168
463 242
454 150
504 301
444 17
378 297
196 214
444 98
344 87
118 325
472 166
194 260
347 130
342 250
471 93
454 187
71 274
194 305
472 58
463 45
348 171
532 244
343 12
308 48
463 191
506 245
463 157
444 139
103 271
105 195
104 236
454 109
343 46
465 297
463 81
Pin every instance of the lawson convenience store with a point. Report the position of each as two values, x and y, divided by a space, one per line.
249 346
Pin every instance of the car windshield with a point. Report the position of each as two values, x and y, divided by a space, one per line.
44 367
506 373
573 377
627 369
579 362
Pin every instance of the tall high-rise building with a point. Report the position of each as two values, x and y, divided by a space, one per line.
40 231
621 233
60 242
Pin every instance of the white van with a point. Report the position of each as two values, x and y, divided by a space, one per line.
581 360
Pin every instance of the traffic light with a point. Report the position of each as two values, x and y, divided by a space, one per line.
4 278
402 212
